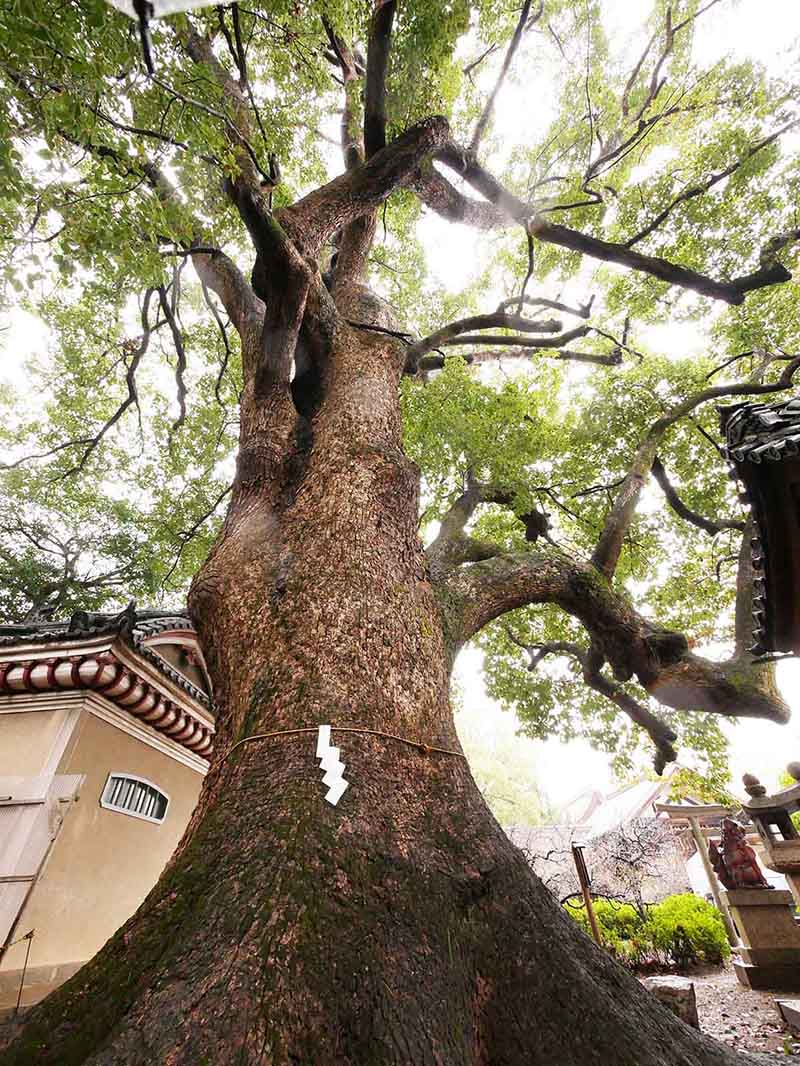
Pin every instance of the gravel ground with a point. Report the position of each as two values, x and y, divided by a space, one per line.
747 1021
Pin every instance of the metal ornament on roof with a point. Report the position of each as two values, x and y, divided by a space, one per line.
763 449
145 10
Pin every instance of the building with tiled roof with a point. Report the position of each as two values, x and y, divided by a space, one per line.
106 727
763 447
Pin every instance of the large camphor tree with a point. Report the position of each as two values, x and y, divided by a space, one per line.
400 926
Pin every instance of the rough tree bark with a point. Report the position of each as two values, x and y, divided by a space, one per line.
401 926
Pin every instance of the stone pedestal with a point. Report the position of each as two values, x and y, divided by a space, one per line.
676 993
789 1010
770 951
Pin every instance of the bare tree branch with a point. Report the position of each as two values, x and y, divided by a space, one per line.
710 526
185 536
90 442
180 367
693 191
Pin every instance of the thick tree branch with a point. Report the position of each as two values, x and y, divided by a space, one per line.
730 292
313 219
520 347
450 334
446 200
583 311
223 277
504 208
285 277
475 594
710 526
379 44
355 239
452 546
491 355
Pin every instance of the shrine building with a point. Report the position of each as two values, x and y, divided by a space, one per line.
763 448
106 727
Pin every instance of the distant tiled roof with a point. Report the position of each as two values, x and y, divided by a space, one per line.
757 432
761 438
139 624
23 670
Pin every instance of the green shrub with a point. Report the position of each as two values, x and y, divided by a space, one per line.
677 932
687 929
623 932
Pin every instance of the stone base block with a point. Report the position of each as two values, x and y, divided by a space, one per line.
777 977
676 993
789 1010
759 897
770 956
764 918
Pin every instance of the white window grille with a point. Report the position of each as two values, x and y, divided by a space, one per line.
133 795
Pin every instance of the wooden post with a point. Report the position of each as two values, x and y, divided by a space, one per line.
722 906
583 878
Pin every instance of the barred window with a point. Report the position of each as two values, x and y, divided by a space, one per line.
132 795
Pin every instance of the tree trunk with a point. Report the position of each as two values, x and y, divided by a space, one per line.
399 927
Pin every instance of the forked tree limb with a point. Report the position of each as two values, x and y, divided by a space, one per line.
445 337
477 593
617 145
451 333
311 220
91 441
504 208
215 268
350 131
518 351
659 732
701 187
358 235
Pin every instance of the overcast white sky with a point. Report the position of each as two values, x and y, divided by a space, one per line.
765 30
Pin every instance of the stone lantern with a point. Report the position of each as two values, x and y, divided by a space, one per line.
772 817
